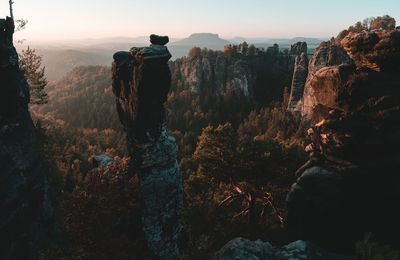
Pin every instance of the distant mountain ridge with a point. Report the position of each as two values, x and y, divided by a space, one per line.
202 40
61 57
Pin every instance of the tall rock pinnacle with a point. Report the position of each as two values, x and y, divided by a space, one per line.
141 81
24 204
299 50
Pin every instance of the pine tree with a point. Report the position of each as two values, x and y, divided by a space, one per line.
244 47
31 65
216 152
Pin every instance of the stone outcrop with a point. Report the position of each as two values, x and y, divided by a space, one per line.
300 72
196 71
141 81
350 184
298 48
377 50
218 71
326 67
102 160
243 249
337 63
241 77
25 208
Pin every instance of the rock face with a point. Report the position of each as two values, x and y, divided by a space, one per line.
218 71
298 48
326 67
141 81
198 72
24 204
299 75
352 99
243 249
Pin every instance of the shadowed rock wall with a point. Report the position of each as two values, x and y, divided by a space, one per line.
351 183
25 207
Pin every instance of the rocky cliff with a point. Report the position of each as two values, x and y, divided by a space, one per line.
199 72
241 68
325 70
141 81
300 72
350 185
24 204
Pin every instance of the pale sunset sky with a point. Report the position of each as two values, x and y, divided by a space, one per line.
75 19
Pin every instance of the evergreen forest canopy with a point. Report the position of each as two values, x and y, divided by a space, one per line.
259 145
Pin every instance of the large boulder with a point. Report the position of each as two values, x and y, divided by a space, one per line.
101 160
141 81
323 207
243 249
25 208
326 75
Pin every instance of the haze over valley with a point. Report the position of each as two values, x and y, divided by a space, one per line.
60 57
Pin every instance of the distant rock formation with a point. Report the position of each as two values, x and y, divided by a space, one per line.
351 183
25 207
198 72
141 81
243 249
202 40
298 48
300 72
218 71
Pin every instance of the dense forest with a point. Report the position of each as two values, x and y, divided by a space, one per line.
145 148
240 147
232 143
83 99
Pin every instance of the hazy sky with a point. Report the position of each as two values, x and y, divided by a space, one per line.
72 19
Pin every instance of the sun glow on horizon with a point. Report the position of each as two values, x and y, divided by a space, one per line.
72 19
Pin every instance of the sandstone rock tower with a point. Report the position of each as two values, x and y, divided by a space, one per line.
352 100
299 51
24 203
141 81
